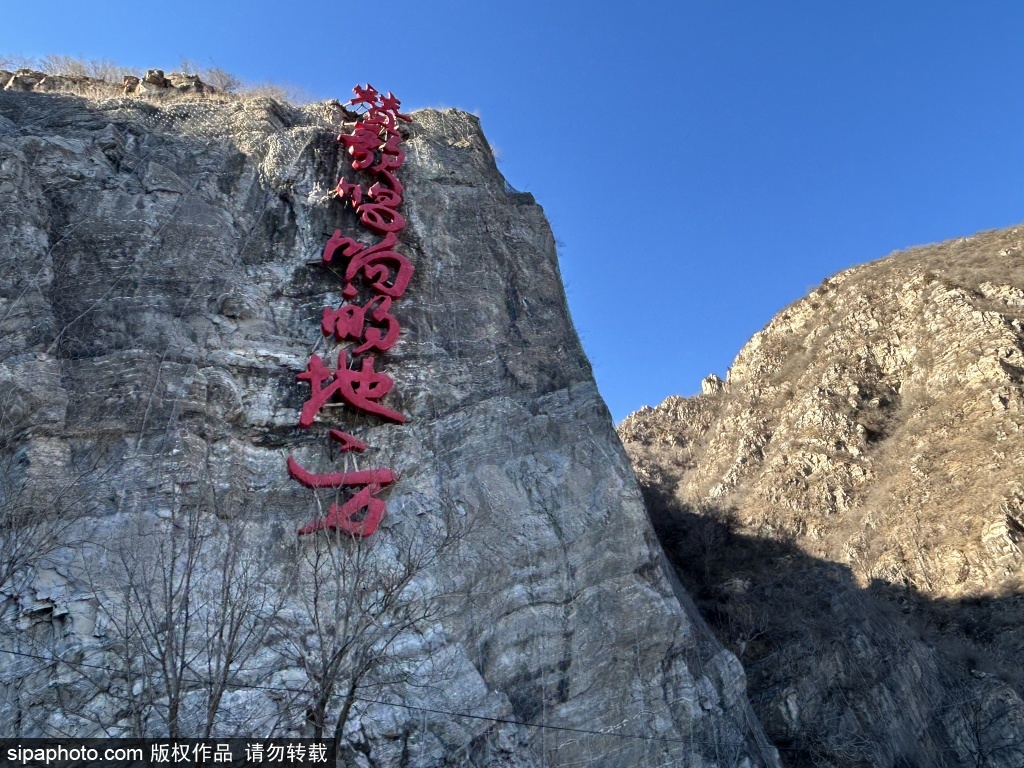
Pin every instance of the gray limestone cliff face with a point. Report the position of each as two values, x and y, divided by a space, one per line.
158 295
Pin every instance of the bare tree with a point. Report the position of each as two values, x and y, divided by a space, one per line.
192 607
243 603
41 508
359 598
35 522
994 720
35 519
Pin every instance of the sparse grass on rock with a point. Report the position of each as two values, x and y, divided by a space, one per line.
849 507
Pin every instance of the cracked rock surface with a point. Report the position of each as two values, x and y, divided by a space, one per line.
160 292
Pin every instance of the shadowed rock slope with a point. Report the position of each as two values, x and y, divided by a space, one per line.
159 292
847 507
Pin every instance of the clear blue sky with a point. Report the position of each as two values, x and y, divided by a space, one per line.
702 163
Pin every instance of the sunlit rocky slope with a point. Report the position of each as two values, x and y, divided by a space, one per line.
849 506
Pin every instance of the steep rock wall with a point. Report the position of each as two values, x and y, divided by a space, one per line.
157 302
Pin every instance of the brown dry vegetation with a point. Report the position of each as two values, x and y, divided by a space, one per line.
103 78
879 421
853 500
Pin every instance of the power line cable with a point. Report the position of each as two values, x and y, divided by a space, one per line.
365 700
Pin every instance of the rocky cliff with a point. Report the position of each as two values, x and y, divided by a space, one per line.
847 506
161 288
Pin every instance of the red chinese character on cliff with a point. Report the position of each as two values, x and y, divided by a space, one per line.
362 388
372 324
375 148
349 443
359 516
387 271
339 479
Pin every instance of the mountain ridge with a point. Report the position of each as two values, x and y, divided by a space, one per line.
874 424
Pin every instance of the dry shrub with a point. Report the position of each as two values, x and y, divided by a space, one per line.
105 72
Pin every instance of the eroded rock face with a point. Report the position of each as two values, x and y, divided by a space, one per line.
892 395
158 299
866 452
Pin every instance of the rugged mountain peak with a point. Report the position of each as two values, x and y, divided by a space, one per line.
893 385
871 432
